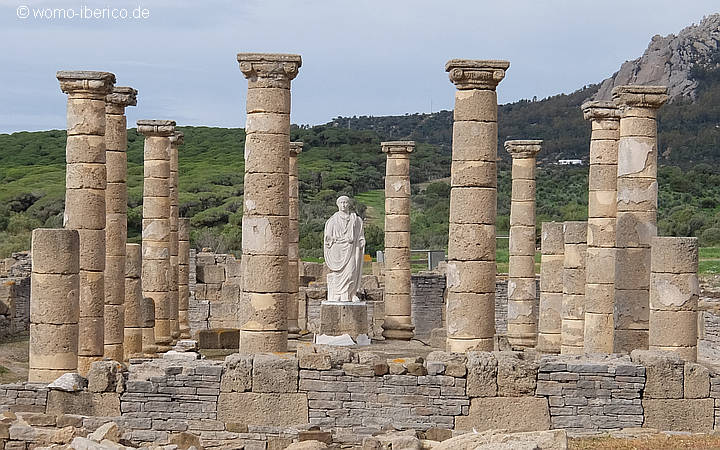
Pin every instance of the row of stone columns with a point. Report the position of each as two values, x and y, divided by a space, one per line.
552 242
293 240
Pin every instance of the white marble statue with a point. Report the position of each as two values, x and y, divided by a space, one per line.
344 251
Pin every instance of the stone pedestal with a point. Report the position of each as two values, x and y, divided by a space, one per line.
674 293
338 318
116 218
398 307
602 212
573 304
552 244
54 306
471 267
265 220
85 184
522 314
293 240
637 201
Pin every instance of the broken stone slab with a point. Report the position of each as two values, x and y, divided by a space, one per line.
181 355
69 382
186 345
343 340
501 440
110 431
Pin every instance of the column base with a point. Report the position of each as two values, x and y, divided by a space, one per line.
175 327
132 345
114 352
338 318
149 349
293 328
185 333
548 343
84 363
398 327
163 334
263 341
455 345
599 332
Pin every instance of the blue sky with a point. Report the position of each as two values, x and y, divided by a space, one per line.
371 57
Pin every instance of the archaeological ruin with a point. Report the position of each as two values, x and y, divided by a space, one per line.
162 345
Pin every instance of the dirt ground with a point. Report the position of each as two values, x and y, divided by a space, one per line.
650 442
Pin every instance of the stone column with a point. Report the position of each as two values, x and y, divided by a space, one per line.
293 240
602 212
522 312
184 276
116 218
85 184
398 314
637 199
54 304
265 220
176 140
674 293
573 304
471 267
133 302
156 272
149 346
552 244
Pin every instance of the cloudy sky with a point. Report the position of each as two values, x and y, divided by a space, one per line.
360 57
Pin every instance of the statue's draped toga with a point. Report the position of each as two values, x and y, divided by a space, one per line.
344 251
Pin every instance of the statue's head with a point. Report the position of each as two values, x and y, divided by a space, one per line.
343 203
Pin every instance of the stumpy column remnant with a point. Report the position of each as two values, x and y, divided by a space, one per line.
116 218
156 271
54 304
471 268
573 305
265 219
293 240
184 276
552 244
637 200
522 312
674 293
85 184
398 307
176 140
133 302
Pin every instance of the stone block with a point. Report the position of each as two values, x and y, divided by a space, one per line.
664 374
83 403
511 414
213 274
274 373
679 414
338 318
262 409
481 374
237 376
696 381
516 375
102 376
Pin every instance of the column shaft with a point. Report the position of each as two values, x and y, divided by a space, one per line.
293 240
54 304
176 140
471 268
132 345
552 260
574 275
85 184
637 195
184 276
265 221
398 306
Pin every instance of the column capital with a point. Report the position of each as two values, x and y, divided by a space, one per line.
122 96
177 138
520 149
600 110
640 96
296 148
86 82
163 128
398 147
476 73
269 69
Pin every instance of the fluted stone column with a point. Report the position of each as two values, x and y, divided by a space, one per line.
176 140
116 218
574 276
133 302
522 312
293 240
602 212
552 243
184 276
156 271
265 222
637 200
674 293
471 267
398 307
54 304
85 184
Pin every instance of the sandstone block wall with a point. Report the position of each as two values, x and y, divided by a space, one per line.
14 305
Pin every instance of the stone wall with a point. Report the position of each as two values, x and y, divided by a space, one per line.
709 327
14 303
427 293
215 293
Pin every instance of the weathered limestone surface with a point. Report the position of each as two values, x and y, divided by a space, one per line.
184 277
398 307
552 244
293 239
637 200
156 268
522 317
602 213
674 292
265 219
132 344
54 304
116 218
471 264
573 302
506 413
176 140
85 185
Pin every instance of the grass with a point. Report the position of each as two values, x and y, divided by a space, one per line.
375 202
709 253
